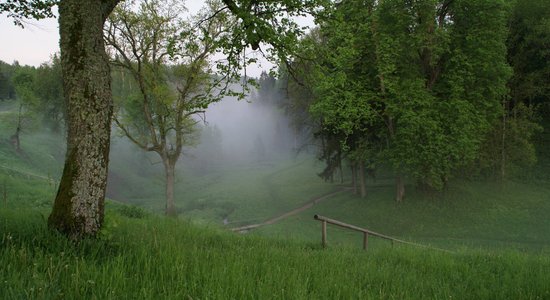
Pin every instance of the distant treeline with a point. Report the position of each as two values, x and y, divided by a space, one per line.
38 91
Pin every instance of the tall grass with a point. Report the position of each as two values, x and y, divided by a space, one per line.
154 257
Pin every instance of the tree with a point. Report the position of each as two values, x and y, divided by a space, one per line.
416 83
509 146
78 210
79 204
298 99
39 92
24 80
159 117
528 43
270 22
19 10
49 88
7 90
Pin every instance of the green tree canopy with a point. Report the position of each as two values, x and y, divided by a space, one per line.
415 83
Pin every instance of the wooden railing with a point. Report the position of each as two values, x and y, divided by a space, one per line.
366 234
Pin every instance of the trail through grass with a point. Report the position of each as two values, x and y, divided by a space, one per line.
287 214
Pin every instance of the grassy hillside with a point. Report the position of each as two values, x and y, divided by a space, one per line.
489 215
498 232
470 213
473 213
153 257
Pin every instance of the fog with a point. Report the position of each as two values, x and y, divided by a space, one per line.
230 134
253 132
247 131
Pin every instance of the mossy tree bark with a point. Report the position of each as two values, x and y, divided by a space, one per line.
78 207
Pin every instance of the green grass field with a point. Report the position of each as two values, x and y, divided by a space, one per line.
498 232
153 257
488 215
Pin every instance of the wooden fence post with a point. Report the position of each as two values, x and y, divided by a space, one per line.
365 232
324 234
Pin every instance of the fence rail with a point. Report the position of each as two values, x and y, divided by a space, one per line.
366 234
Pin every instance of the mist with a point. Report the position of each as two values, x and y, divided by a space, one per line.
231 134
239 132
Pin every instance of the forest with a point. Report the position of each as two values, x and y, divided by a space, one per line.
143 160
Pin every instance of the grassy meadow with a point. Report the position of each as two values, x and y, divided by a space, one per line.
498 234
151 257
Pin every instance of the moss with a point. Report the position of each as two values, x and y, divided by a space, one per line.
79 206
61 218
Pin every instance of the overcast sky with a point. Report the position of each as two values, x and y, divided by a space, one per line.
35 43
30 46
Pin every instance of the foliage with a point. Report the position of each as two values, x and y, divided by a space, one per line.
48 86
416 84
7 90
23 81
73 56
508 149
266 22
167 58
39 92
23 9
131 211
528 53
298 98
473 213
157 99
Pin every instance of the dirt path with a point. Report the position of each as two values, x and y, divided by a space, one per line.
300 209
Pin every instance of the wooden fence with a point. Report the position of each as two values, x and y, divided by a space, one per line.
366 234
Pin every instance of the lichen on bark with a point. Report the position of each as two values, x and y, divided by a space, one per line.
78 208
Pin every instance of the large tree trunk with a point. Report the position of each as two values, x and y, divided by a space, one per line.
78 207
169 169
